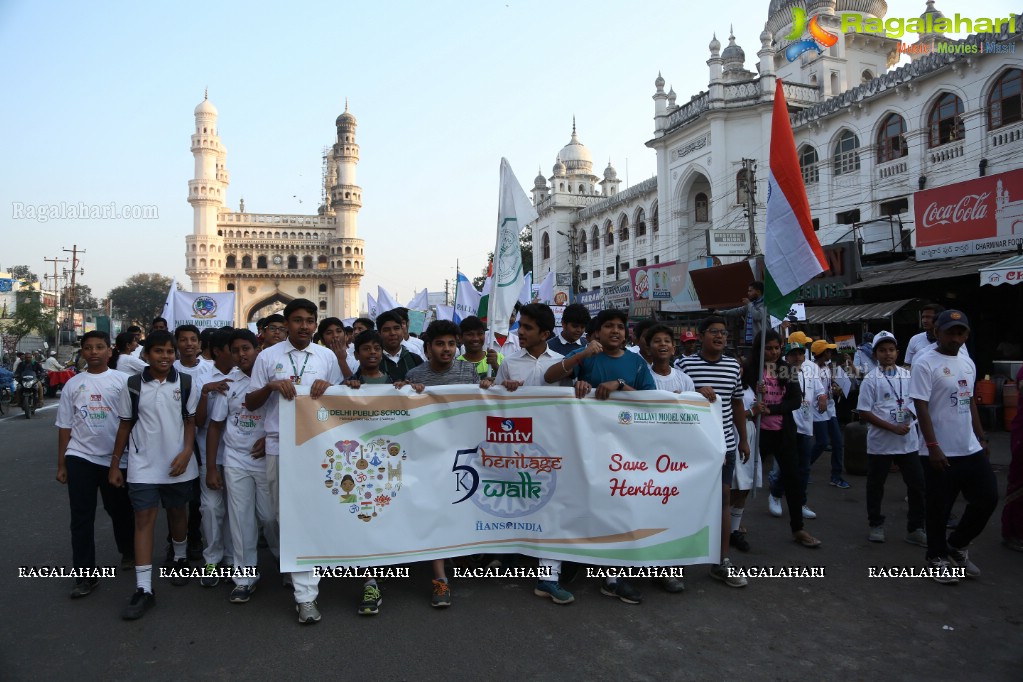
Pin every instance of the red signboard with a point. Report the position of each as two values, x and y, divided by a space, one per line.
977 216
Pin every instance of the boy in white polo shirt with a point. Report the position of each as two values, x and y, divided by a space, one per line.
295 361
87 420
891 437
957 448
233 432
157 427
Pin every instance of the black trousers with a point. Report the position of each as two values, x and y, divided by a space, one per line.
83 479
773 444
972 476
912 475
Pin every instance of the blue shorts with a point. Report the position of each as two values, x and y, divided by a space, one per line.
728 468
148 495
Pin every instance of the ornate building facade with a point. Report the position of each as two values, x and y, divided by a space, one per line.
269 259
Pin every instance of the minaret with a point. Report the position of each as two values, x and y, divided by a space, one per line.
204 257
345 200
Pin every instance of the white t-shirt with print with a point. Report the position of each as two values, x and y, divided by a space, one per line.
676 381
810 389
88 406
242 427
946 383
880 394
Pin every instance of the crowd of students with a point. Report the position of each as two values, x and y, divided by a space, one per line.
189 418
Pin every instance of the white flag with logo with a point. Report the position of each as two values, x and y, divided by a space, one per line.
513 214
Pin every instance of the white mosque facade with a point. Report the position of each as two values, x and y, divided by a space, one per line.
269 259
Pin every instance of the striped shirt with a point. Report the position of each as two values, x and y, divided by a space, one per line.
724 377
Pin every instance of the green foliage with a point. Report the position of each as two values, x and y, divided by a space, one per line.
29 317
84 298
141 297
22 272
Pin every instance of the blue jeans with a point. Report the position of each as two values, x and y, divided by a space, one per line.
825 434
804 446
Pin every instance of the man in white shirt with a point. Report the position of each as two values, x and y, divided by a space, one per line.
826 429
412 343
957 461
926 340
52 364
295 361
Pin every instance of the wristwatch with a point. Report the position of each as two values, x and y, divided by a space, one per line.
621 384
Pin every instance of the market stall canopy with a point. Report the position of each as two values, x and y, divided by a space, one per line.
835 314
908 271
1008 271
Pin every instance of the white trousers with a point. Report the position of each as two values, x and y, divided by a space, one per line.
552 567
307 585
249 506
215 529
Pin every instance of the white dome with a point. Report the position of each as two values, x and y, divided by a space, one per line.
559 168
206 107
575 156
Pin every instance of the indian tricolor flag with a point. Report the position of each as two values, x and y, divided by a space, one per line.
792 254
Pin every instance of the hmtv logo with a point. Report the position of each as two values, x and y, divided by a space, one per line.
508 430
821 37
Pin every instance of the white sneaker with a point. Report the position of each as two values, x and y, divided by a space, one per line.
809 513
307 612
774 505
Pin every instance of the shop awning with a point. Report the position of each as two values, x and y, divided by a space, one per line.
834 314
905 272
1008 271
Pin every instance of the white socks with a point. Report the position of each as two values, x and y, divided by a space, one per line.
144 578
180 549
736 517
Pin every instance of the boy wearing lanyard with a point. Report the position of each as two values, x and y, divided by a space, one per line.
891 437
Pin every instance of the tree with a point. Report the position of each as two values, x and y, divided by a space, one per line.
526 243
23 272
29 317
84 298
141 297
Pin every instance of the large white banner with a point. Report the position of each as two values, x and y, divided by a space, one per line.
378 476
203 310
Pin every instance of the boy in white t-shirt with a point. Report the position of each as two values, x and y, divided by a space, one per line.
660 343
87 423
160 438
891 437
187 339
957 448
234 432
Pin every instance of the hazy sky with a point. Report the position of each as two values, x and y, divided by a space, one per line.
98 102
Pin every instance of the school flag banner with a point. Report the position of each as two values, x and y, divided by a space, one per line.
378 476
513 214
792 254
467 299
204 310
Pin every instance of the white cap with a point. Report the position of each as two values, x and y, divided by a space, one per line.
884 336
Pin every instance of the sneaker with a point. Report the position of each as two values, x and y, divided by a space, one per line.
918 537
371 601
307 612
441 594
840 483
623 590
84 587
953 522
774 505
942 573
180 575
140 602
128 562
672 584
241 593
551 589
209 577
737 539
809 513
877 534
723 573
960 558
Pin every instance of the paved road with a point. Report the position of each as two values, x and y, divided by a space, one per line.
842 626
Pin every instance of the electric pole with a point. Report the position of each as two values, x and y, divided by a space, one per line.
75 270
749 167
56 320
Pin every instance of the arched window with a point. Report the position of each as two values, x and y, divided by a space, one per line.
1005 103
609 234
581 189
702 208
655 219
321 263
323 306
866 76
307 262
945 121
230 287
261 262
582 241
623 229
891 139
293 262
846 157
231 262
808 164
323 288
641 223
595 238
246 262
545 242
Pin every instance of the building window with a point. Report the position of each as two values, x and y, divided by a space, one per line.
641 263
230 287
847 159
307 262
848 217
546 246
596 274
595 238
585 276
657 259
866 76
654 220
323 306
582 241
624 266
702 208
246 262
293 262
895 206
808 164
1005 103
609 235
321 263
816 224
641 223
891 139
261 262
610 270
231 263
323 288
945 121
623 229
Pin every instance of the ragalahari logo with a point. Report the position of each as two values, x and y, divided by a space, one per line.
819 36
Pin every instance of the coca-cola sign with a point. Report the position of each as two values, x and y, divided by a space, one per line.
983 215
